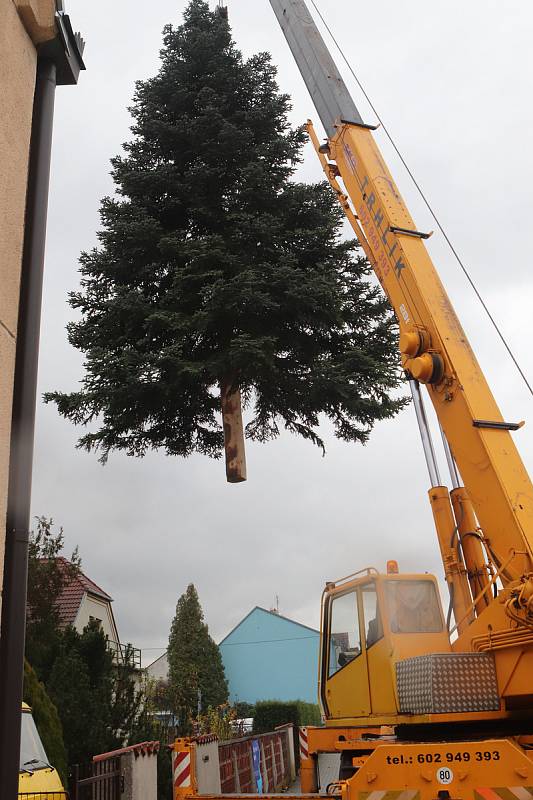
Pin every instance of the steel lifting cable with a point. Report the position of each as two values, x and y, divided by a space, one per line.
424 198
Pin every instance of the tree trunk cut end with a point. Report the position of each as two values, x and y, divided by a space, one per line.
233 433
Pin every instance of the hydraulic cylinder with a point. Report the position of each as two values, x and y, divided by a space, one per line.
454 569
473 554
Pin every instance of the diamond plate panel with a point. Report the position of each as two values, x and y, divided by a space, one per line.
442 683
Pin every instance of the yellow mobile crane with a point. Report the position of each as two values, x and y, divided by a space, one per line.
409 707
416 710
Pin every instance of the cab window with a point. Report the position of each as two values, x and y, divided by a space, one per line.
413 607
344 638
373 626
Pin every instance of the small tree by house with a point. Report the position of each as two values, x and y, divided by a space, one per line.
219 279
97 698
99 703
83 713
220 720
47 577
196 672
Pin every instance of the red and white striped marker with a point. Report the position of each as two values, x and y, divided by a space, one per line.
304 749
182 769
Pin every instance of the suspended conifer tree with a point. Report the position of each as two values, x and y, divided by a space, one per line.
218 279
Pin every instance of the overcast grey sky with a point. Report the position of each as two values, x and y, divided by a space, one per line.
453 82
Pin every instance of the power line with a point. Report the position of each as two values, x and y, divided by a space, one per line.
267 641
424 198
257 641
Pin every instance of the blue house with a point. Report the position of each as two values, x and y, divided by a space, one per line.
270 657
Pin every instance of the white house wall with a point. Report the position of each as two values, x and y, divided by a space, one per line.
158 670
93 607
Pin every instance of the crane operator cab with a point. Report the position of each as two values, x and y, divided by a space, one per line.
369 623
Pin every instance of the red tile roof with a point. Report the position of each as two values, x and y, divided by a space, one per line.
72 595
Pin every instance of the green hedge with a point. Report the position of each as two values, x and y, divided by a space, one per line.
308 713
271 713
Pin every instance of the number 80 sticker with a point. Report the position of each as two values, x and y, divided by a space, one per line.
444 775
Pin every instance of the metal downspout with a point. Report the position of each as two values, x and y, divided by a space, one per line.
22 431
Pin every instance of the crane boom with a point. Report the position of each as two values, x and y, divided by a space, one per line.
328 91
410 711
435 349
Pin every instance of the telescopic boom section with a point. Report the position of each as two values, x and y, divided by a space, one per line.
328 91
434 347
